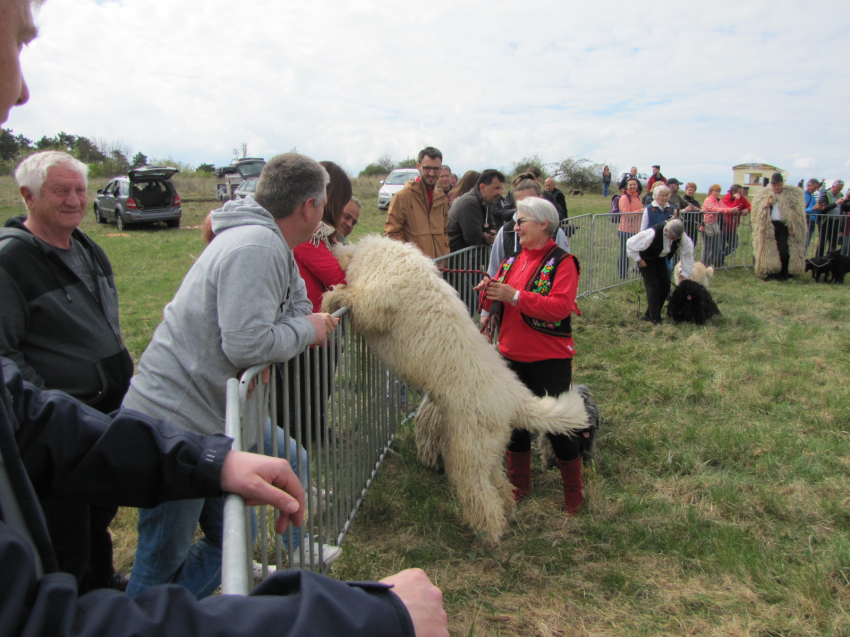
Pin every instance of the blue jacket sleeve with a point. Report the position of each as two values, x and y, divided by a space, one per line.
288 604
73 451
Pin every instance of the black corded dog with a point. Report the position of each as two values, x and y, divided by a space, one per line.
840 265
818 266
691 302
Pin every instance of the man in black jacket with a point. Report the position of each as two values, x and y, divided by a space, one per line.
560 200
469 221
52 446
59 323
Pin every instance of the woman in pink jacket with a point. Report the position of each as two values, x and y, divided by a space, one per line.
713 236
632 212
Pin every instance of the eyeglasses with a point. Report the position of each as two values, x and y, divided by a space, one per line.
521 221
431 169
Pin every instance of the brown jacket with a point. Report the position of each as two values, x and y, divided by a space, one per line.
409 219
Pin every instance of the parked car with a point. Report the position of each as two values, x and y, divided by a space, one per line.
239 170
145 195
395 181
643 178
246 188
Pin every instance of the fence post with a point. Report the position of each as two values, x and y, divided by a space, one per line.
234 561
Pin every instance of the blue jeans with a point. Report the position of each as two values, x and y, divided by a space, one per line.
165 553
605 189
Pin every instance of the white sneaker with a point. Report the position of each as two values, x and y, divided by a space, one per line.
330 553
258 570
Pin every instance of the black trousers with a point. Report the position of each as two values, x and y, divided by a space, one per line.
656 279
830 226
780 231
550 377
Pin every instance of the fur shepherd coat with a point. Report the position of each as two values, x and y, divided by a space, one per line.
792 206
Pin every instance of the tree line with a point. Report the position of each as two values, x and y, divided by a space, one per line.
105 158
574 173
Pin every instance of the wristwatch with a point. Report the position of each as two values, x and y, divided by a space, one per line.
515 300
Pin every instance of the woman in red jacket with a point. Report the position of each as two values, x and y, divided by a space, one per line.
712 228
536 291
320 271
733 199
319 268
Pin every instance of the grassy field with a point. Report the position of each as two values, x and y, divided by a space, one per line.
718 503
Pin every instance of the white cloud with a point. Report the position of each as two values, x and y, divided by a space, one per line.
696 91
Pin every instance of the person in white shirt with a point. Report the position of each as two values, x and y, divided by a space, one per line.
650 249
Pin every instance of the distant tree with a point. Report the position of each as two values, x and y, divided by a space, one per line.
244 150
47 143
579 174
87 151
8 145
139 160
410 162
205 168
24 144
523 164
66 142
386 164
383 166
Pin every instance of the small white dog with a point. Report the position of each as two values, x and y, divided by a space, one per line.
416 323
700 274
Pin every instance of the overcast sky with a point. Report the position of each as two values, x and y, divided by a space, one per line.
694 86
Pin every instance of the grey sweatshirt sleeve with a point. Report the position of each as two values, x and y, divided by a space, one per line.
251 330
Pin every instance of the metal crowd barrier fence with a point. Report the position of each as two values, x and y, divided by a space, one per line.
463 270
334 411
337 408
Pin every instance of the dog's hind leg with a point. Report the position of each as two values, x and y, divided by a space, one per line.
430 429
470 464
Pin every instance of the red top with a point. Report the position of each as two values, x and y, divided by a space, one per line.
518 341
732 220
652 181
319 269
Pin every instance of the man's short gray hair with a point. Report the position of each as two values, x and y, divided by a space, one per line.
541 210
287 181
32 172
675 227
357 203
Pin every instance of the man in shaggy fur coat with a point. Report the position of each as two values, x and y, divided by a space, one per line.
779 230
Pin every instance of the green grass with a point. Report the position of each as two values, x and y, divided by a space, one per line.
718 503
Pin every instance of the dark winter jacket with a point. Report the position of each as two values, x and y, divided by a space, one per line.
53 446
59 334
468 220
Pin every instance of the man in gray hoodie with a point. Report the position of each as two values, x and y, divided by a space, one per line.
243 303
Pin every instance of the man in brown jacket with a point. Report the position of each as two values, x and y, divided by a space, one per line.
419 212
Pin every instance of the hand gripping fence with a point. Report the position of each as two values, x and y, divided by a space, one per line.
337 408
334 411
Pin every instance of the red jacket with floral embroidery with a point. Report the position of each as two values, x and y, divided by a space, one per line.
517 340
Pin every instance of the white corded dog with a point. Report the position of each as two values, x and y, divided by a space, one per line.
416 323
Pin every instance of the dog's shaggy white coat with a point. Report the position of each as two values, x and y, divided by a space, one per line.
416 323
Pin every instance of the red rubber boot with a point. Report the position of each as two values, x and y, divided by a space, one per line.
571 479
519 468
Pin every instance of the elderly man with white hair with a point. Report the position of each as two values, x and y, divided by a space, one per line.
59 323
650 249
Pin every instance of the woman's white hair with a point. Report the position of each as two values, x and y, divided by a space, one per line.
32 172
660 189
540 210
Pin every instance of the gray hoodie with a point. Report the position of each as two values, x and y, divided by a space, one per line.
241 304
